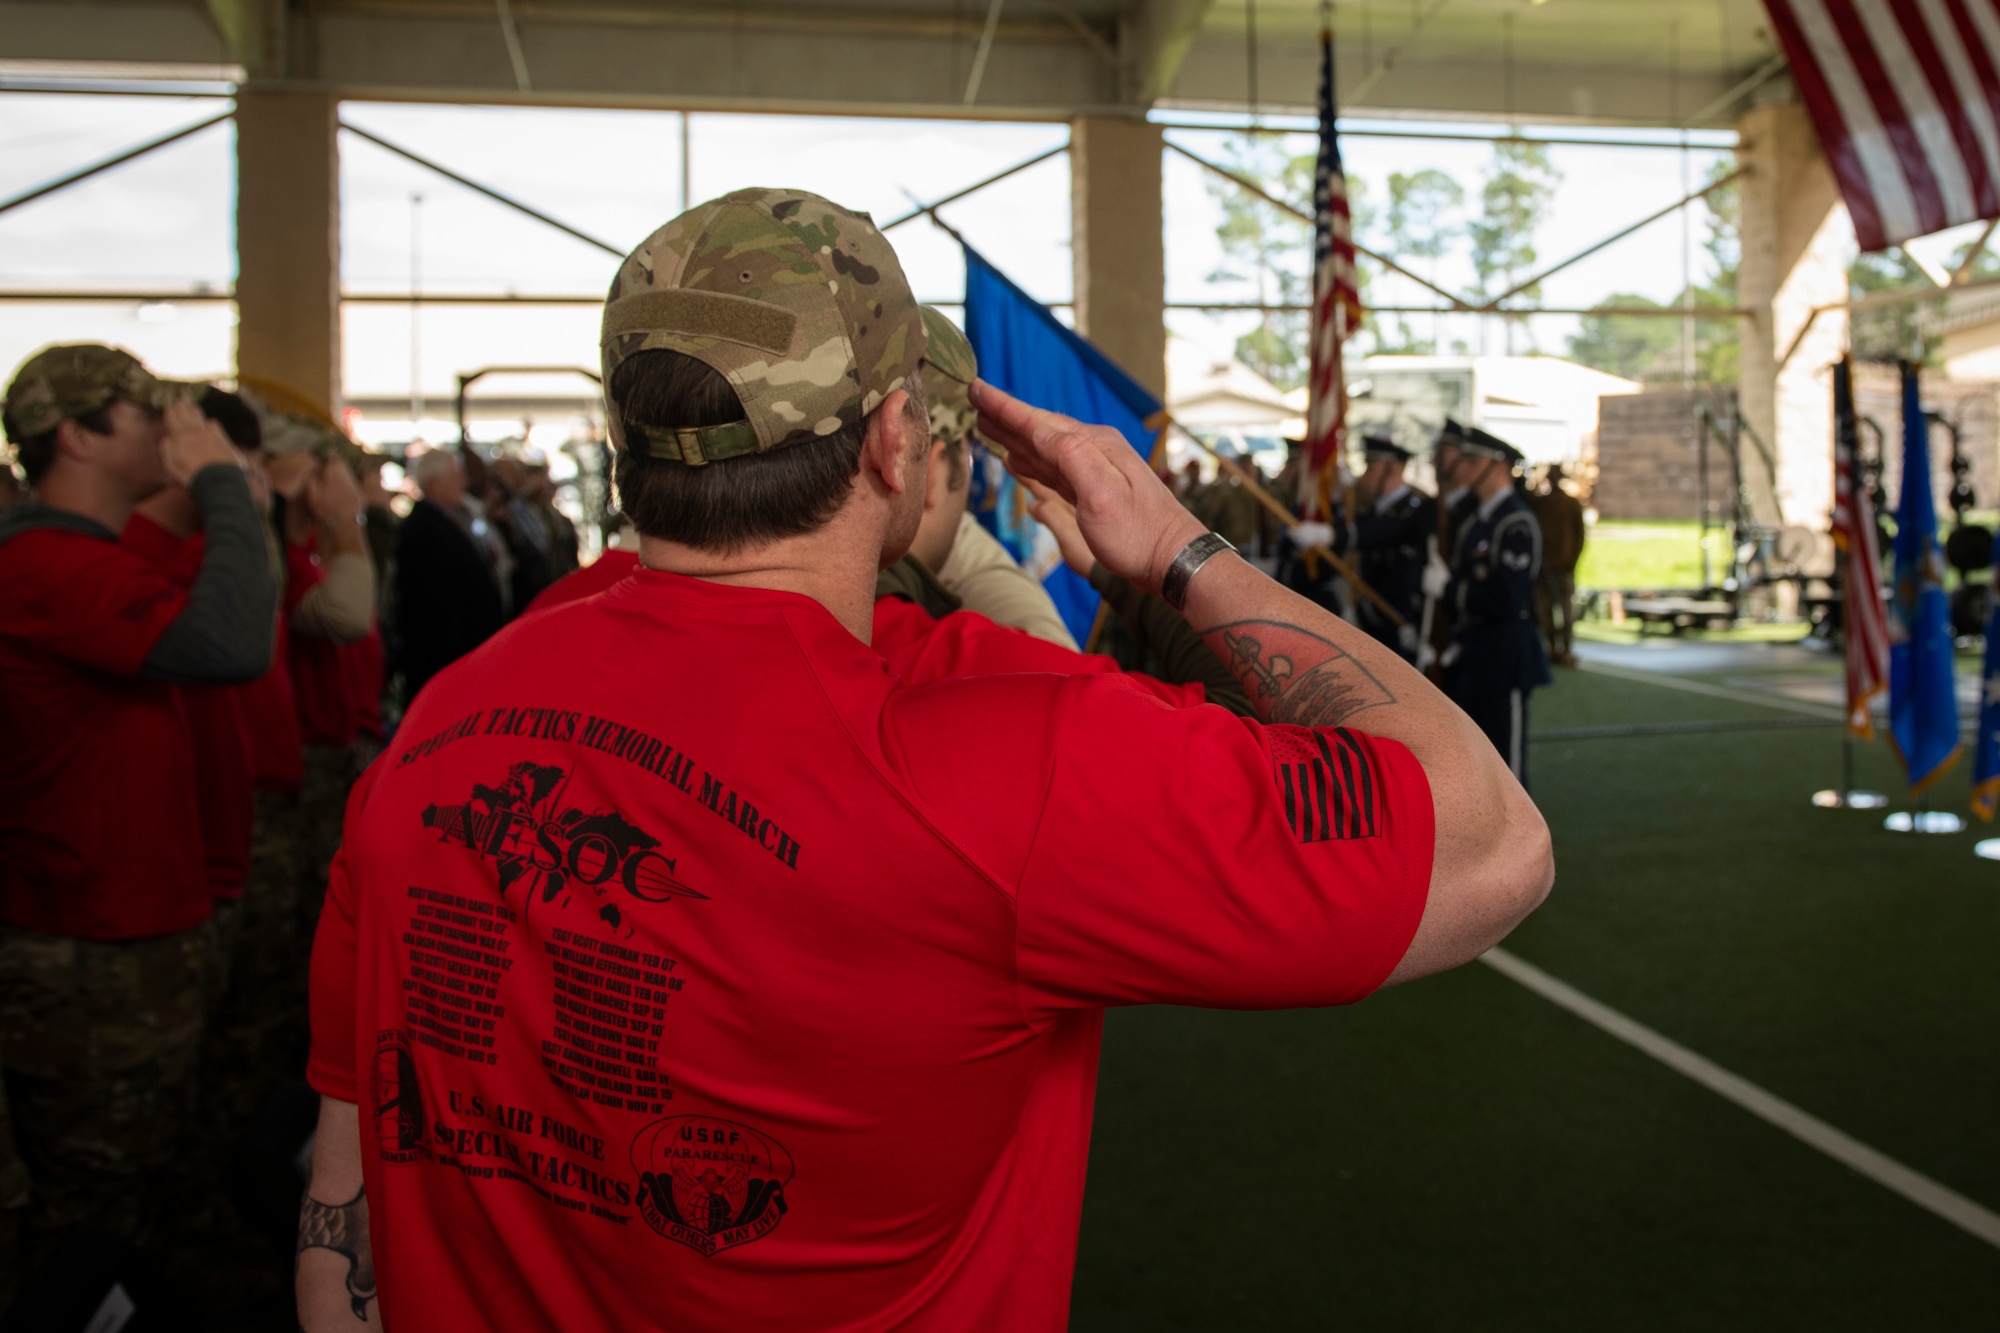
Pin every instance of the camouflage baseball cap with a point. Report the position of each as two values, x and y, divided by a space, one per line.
949 369
801 304
76 379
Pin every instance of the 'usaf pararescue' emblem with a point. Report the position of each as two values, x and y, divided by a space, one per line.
398 1101
710 1184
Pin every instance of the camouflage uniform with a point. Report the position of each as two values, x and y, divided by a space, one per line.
99 1038
100 1041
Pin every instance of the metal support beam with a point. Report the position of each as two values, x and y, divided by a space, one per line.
921 209
1458 304
119 160
486 190
1614 238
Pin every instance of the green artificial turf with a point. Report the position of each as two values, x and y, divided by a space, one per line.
1461 1154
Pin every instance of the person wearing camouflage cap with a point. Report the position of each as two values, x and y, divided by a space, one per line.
786 975
951 547
104 898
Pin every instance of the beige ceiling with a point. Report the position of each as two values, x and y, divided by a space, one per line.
1651 62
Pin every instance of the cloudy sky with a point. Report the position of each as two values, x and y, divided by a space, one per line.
165 221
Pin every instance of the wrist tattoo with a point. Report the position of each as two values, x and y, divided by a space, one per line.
1293 675
342 1228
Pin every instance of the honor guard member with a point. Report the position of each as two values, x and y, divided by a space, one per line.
1455 504
1495 659
1391 541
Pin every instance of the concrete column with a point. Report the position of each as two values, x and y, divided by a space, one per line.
1118 243
288 242
1795 232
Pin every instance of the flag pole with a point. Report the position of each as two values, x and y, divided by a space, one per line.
1863 633
1264 497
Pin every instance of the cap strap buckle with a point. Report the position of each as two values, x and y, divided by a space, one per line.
700 445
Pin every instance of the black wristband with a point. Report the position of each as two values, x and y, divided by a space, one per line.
1182 571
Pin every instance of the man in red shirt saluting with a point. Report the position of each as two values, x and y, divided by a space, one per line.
105 899
684 968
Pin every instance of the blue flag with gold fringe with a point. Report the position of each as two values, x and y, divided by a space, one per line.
1024 349
1923 705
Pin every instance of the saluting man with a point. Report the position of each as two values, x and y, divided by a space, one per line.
1391 535
1496 657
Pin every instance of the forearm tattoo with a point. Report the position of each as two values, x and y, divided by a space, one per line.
342 1228
1293 675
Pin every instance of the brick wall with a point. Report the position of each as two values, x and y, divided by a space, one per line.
1648 463
1974 406
1647 457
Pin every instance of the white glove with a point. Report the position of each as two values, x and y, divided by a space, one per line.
1427 657
1437 577
1406 637
1307 535
1451 654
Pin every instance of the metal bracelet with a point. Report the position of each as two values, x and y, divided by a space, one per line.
1182 571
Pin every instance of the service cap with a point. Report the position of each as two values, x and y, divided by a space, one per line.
1451 433
1480 444
76 379
799 303
1382 449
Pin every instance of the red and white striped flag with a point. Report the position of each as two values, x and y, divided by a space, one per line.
1905 95
1336 308
1864 614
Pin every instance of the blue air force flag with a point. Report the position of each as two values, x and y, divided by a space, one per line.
1024 349
1986 744
1923 707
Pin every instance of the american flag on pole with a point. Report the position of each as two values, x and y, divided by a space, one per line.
1336 308
1905 95
1863 611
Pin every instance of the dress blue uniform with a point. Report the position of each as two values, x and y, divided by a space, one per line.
1496 658
1391 543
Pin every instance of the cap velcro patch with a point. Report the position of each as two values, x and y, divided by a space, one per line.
696 445
702 314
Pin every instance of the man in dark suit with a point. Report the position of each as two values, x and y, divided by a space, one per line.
447 600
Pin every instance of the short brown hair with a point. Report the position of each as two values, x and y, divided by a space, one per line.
730 503
37 453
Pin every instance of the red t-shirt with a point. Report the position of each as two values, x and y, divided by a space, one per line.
100 837
337 686
694 972
917 646
921 648
222 764
589 581
271 717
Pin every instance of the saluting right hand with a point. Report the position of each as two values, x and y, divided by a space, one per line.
333 494
192 443
1129 519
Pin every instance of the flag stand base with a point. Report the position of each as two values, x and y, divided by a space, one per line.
1849 800
1924 821
1988 848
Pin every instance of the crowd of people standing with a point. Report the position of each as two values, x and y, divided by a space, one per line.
211 613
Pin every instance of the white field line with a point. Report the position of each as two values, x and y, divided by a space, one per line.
1955 1208
1667 682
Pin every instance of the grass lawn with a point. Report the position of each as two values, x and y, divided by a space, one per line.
1649 555
1461 1154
